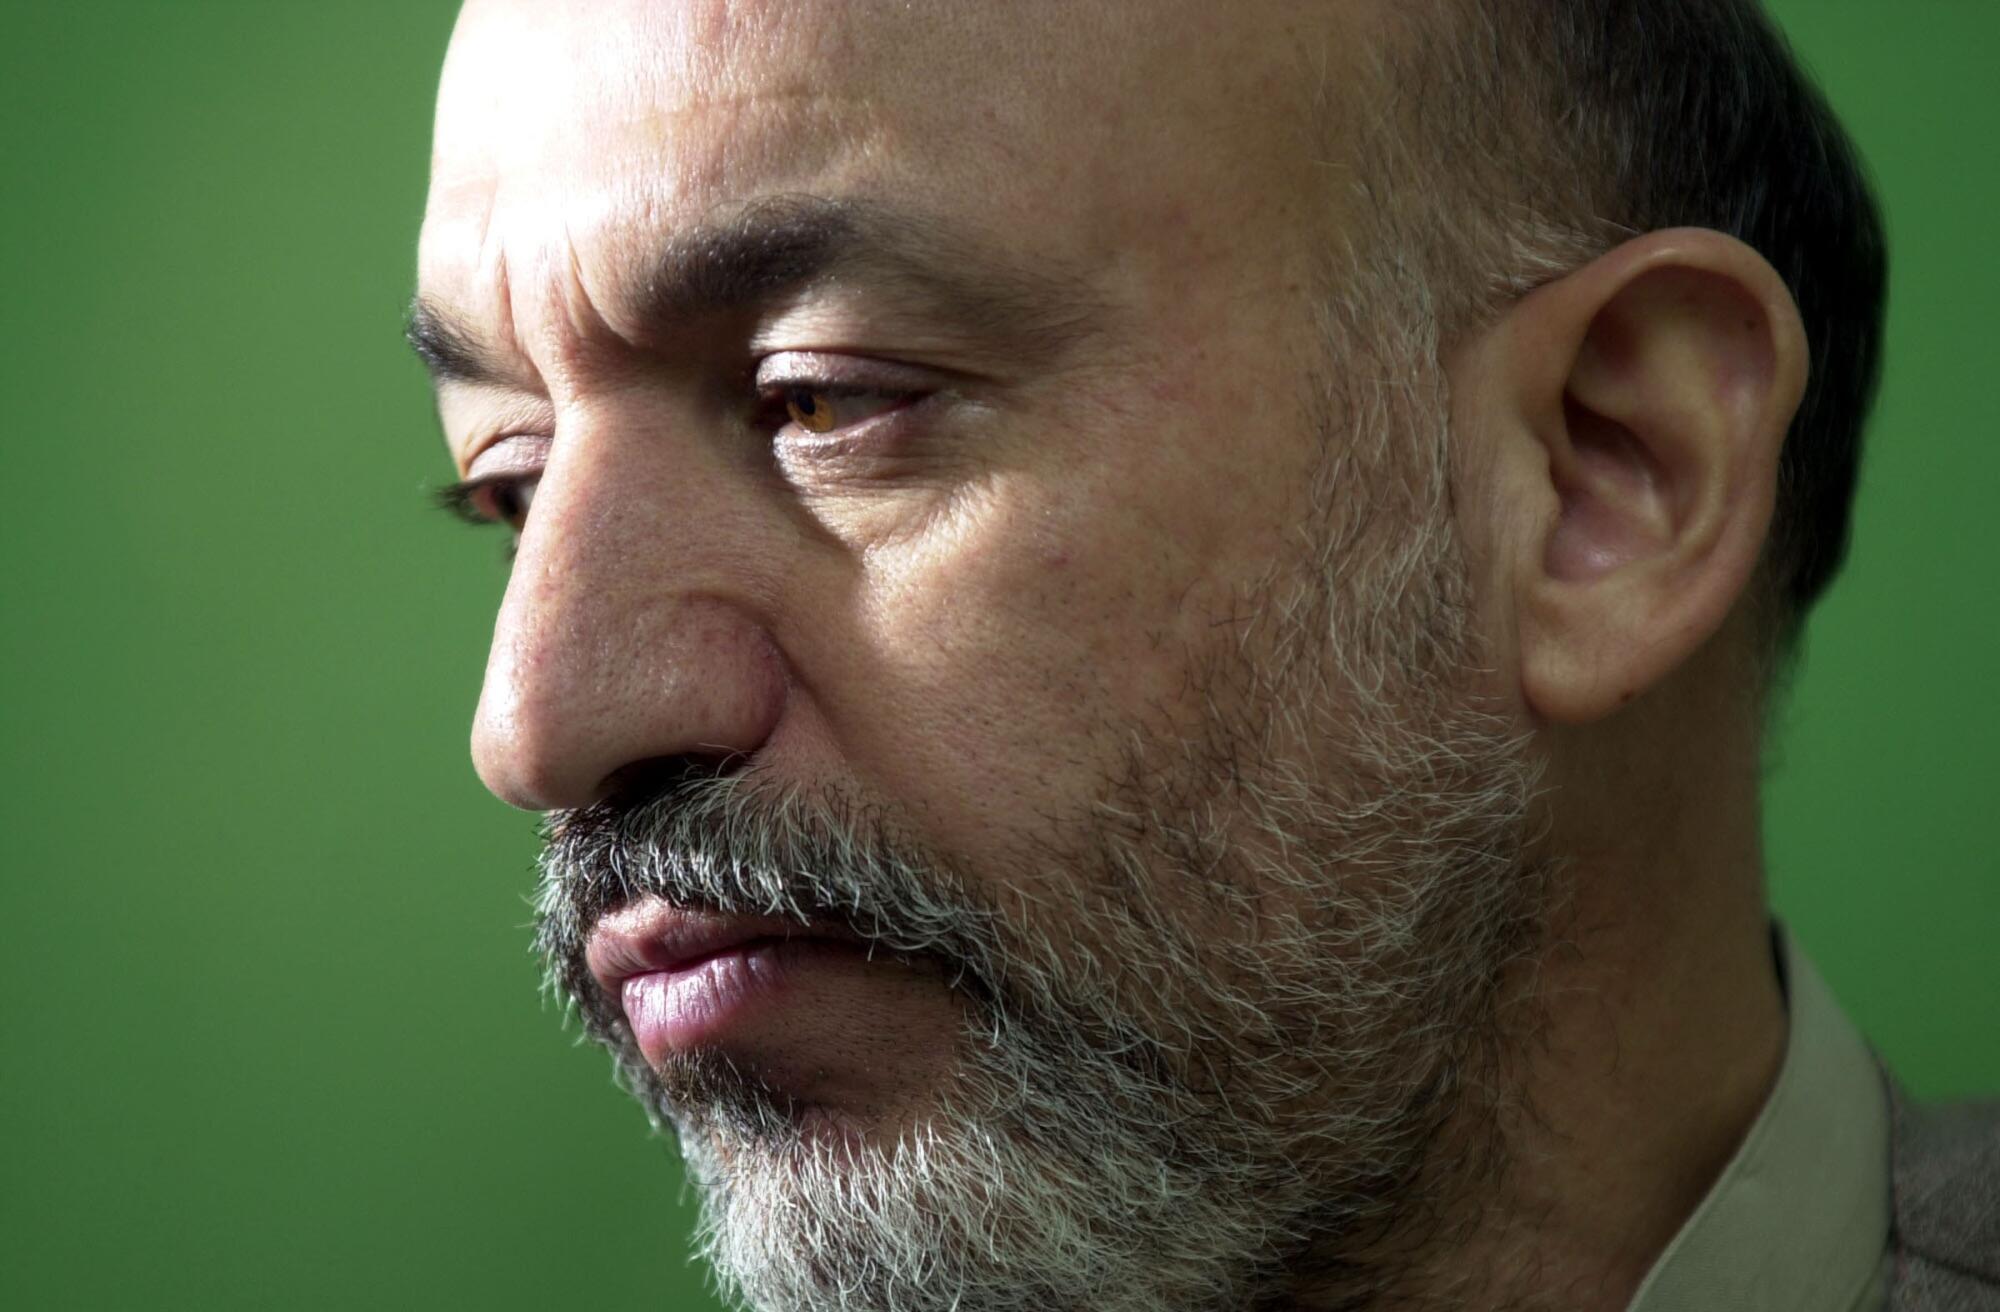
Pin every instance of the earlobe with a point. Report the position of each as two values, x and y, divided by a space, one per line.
1653 390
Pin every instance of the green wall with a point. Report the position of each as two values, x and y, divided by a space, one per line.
271 1035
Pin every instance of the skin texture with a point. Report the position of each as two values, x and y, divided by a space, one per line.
971 614
985 613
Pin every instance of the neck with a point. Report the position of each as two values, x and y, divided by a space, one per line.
1636 1050
1661 1038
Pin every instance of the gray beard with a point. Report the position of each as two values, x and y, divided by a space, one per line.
1204 1102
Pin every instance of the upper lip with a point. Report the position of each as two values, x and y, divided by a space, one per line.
652 935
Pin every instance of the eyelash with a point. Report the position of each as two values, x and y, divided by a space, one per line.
466 500
462 499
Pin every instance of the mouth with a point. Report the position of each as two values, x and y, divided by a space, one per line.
686 979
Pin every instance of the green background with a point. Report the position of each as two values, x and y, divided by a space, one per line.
271 1033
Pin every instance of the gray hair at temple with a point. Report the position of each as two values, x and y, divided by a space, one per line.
1511 141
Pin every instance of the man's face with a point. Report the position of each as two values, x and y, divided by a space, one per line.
995 660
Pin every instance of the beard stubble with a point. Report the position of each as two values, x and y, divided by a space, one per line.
1256 1066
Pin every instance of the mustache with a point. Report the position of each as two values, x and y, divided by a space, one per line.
699 837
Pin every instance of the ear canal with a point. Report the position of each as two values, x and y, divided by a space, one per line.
1613 505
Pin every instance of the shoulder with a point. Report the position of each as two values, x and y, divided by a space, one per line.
1946 1177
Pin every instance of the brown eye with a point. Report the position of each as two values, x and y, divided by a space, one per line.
810 408
818 409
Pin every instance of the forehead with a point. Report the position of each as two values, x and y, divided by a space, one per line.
527 76
564 129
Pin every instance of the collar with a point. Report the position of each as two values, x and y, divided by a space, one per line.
1799 1219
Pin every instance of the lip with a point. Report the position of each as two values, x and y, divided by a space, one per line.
683 977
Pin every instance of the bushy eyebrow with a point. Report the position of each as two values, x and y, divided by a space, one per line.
448 349
776 246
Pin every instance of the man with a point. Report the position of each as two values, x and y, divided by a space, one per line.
1144 629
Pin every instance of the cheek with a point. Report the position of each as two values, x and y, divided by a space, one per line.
1011 648
1013 651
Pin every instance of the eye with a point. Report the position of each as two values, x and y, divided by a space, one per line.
817 409
495 499
509 499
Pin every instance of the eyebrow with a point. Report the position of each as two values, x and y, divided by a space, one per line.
779 245
448 349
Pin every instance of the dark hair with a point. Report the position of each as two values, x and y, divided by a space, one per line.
1575 123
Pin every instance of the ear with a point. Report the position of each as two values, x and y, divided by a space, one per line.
1634 411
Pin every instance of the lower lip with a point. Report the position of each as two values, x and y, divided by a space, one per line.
673 1011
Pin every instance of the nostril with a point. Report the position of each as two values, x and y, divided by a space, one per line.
639 782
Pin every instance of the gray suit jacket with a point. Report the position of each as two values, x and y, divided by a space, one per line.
1945 1167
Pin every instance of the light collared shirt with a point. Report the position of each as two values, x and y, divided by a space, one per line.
1799 1219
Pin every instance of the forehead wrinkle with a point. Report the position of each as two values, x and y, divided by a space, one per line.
511 332
584 225
665 136
464 322
922 271
775 246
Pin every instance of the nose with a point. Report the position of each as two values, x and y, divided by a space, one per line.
627 633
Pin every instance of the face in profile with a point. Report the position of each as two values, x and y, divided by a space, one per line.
994 655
